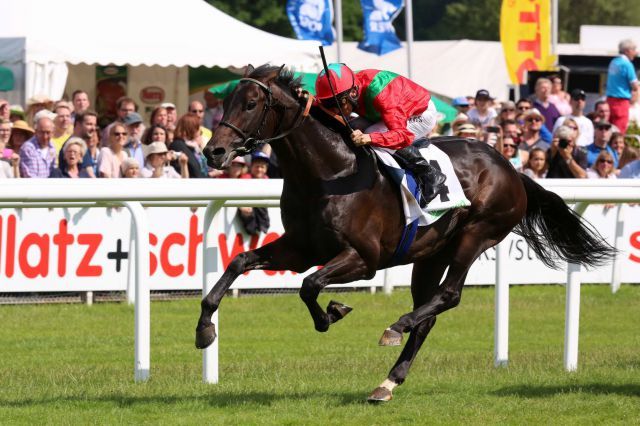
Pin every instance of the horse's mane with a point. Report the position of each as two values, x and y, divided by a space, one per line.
286 78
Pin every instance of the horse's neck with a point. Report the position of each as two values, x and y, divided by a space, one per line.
314 153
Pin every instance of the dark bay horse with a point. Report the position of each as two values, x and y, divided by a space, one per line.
354 232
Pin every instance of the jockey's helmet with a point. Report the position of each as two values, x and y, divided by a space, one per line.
342 79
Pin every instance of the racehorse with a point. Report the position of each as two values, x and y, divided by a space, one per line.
336 216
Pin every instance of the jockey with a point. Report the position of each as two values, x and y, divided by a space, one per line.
398 112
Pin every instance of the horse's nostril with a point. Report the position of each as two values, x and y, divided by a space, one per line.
219 151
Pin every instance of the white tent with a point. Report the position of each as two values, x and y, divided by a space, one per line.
46 36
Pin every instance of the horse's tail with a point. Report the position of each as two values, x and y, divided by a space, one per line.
553 230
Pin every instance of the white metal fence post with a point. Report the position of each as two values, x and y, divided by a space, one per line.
209 268
616 272
501 344
143 302
572 312
131 270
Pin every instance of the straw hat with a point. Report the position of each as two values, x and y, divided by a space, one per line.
155 148
22 125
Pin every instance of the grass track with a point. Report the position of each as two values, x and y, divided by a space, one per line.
72 364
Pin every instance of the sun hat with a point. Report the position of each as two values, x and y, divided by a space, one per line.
533 111
239 159
22 125
155 148
467 128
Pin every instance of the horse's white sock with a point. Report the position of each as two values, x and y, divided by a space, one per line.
388 384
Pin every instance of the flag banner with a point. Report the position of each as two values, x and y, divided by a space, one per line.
379 35
525 34
311 19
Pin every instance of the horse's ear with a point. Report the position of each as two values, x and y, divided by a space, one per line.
248 70
280 70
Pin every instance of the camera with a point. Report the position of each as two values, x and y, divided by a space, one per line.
563 143
493 129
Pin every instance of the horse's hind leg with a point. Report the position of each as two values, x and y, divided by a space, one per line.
424 284
348 266
280 254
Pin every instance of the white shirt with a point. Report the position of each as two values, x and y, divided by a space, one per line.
168 172
584 125
484 120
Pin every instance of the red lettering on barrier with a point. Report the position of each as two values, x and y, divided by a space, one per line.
195 240
236 249
153 260
169 268
11 245
529 65
62 239
42 267
85 268
634 240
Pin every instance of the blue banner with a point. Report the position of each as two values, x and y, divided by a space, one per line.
379 34
311 19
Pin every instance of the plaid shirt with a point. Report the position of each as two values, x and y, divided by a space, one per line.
32 165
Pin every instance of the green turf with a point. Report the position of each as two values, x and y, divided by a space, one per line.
73 364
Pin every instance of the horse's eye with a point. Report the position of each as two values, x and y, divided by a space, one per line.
251 105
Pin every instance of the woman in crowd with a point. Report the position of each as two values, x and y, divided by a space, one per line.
73 150
155 133
9 159
507 112
558 96
186 142
236 170
130 168
156 163
111 158
566 159
20 132
536 165
629 154
603 167
511 152
617 144
159 117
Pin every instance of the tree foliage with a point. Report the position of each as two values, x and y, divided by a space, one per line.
442 19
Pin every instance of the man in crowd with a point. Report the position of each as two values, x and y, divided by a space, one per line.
62 123
133 121
172 115
38 155
601 143
533 122
482 114
461 104
542 103
578 102
621 79
80 100
196 107
602 112
214 112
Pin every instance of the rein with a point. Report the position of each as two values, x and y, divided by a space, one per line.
250 142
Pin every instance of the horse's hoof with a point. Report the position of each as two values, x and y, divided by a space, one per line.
338 310
205 337
390 338
379 395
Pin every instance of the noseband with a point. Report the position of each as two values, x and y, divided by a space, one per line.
252 139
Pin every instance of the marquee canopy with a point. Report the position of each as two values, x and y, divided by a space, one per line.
141 32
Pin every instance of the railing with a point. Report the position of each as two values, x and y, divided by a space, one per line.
136 193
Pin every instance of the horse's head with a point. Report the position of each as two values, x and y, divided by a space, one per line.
250 116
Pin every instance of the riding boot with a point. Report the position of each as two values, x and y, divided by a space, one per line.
430 179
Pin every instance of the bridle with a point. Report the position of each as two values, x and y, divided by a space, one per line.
250 140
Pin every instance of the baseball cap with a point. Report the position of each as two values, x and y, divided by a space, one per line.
132 118
260 155
533 111
239 159
578 94
483 93
460 101
168 105
602 123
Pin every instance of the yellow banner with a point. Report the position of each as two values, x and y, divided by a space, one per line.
525 33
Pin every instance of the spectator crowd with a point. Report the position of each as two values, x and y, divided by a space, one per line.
551 135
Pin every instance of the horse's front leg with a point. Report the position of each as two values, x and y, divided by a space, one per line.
280 254
348 266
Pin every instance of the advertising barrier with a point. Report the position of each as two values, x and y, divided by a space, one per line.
87 249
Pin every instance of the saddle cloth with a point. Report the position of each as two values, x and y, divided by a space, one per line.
452 197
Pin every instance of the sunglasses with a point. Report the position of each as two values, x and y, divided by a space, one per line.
602 160
120 133
509 110
195 111
509 145
532 119
572 127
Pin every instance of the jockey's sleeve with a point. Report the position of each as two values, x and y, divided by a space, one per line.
398 136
